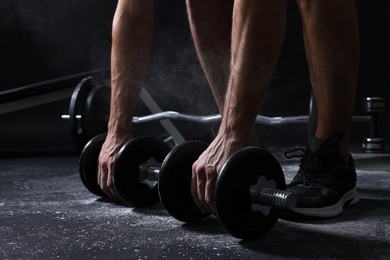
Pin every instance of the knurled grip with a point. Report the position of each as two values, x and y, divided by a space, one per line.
272 197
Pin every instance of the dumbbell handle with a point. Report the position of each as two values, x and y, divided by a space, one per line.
148 173
265 196
273 197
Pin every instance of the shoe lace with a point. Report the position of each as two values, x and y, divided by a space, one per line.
321 161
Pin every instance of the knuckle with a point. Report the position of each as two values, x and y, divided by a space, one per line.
104 188
195 167
207 200
209 196
203 201
211 172
109 182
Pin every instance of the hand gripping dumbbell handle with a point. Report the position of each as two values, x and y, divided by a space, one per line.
272 197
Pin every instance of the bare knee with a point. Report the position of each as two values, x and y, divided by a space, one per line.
208 5
304 4
324 5
210 19
204 11
136 13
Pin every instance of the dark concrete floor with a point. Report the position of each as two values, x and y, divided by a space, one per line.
45 212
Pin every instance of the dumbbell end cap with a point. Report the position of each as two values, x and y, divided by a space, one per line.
373 145
291 201
276 198
374 104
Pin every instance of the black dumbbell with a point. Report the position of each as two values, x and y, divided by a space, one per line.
136 173
250 189
250 193
131 157
88 164
137 170
373 106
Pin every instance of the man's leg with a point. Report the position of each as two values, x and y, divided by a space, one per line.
257 36
132 32
211 27
332 47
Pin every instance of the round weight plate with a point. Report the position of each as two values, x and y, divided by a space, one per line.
175 181
97 110
233 200
77 107
88 164
126 176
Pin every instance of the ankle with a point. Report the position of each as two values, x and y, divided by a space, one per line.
341 143
346 155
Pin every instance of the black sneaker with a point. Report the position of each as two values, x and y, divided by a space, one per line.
325 182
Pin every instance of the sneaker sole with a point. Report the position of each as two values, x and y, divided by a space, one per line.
350 198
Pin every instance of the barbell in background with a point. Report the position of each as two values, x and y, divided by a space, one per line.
90 105
371 143
207 119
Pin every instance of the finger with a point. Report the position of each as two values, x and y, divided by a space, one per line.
194 190
103 171
210 190
111 185
201 189
101 174
99 170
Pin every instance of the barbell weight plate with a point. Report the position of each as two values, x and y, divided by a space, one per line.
126 175
97 109
90 99
175 182
233 201
88 164
76 107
